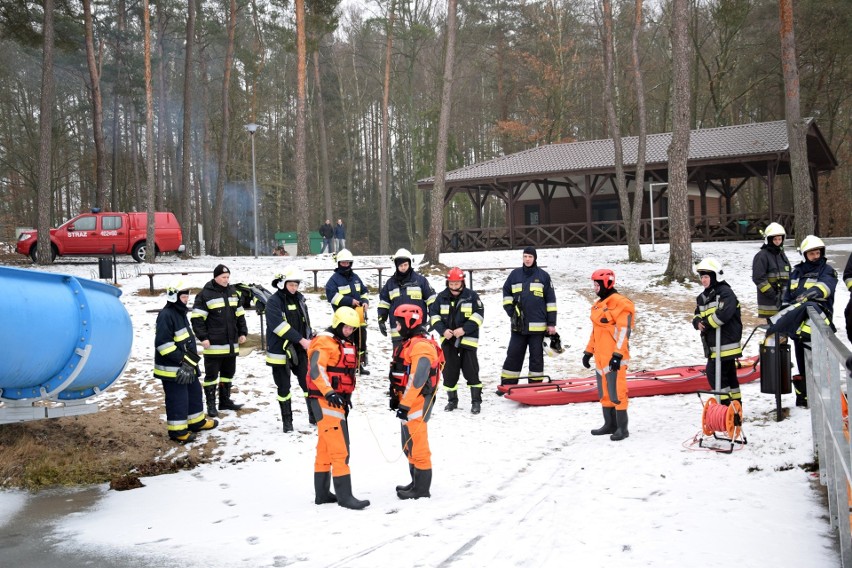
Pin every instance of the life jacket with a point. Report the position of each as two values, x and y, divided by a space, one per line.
342 375
401 365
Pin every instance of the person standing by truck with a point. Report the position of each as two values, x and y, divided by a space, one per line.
219 322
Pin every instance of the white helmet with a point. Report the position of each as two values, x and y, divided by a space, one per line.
175 289
290 274
812 242
402 253
709 265
773 230
344 256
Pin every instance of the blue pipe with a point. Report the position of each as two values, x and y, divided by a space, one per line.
64 338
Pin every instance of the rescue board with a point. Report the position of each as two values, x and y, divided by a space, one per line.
674 380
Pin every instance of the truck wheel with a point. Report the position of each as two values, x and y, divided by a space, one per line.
140 249
34 253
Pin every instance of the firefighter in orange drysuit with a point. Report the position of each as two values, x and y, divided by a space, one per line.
415 374
332 362
612 321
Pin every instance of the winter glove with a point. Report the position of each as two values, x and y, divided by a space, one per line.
812 294
615 362
186 374
192 358
695 321
402 412
587 358
383 327
334 399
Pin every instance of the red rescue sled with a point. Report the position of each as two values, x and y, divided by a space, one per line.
674 380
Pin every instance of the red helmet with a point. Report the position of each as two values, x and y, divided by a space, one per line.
455 275
605 276
409 316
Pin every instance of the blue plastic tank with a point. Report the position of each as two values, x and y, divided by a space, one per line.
64 338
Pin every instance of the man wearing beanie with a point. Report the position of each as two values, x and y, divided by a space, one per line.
530 303
219 323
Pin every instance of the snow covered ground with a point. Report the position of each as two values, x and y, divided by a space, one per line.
514 486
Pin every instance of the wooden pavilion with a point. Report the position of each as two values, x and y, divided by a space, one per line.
565 194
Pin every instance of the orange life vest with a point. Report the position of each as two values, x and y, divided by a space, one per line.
401 364
342 375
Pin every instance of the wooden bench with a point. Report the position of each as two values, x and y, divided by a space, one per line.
379 269
151 275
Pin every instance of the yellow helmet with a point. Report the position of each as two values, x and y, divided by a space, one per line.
344 256
709 265
811 242
346 316
175 290
773 230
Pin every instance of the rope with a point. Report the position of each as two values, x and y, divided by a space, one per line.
720 418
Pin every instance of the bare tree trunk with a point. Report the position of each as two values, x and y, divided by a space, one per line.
150 257
162 119
45 127
116 120
216 245
634 253
301 165
97 107
639 191
803 202
185 187
326 175
680 244
436 202
384 190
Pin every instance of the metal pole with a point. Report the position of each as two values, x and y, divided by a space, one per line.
254 193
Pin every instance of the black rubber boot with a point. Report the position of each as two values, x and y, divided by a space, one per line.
801 388
343 488
422 484
182 436
410 485
322 488
225 402
475 400
286 415
609 426
453 401
620 432
311 418
210 395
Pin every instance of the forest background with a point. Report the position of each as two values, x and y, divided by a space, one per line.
526 73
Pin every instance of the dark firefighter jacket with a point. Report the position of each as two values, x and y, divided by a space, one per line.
529 299
173 340
770 272
345 286
287 322
718 309
407 288
464 311
218 316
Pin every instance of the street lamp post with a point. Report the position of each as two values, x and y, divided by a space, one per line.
651 208
252 128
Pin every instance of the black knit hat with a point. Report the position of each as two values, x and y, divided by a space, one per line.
219 270
531 250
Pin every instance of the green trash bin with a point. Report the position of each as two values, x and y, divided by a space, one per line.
743 226
316 242
288 241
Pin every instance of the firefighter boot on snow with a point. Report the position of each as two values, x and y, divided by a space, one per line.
422 484
182 436
411 484
208 424
609 426
210 395
621 420
225 402
322 488
475 399
343 488
452 402
801 388
286 415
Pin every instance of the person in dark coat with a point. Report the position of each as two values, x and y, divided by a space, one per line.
219 321
456 316
288 336
770 271
814 281
530 302
345 289
326 231
847 279
718 319
176 365
339 236
406 286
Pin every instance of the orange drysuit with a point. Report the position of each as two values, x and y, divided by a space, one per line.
612 322
328 357
419 396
